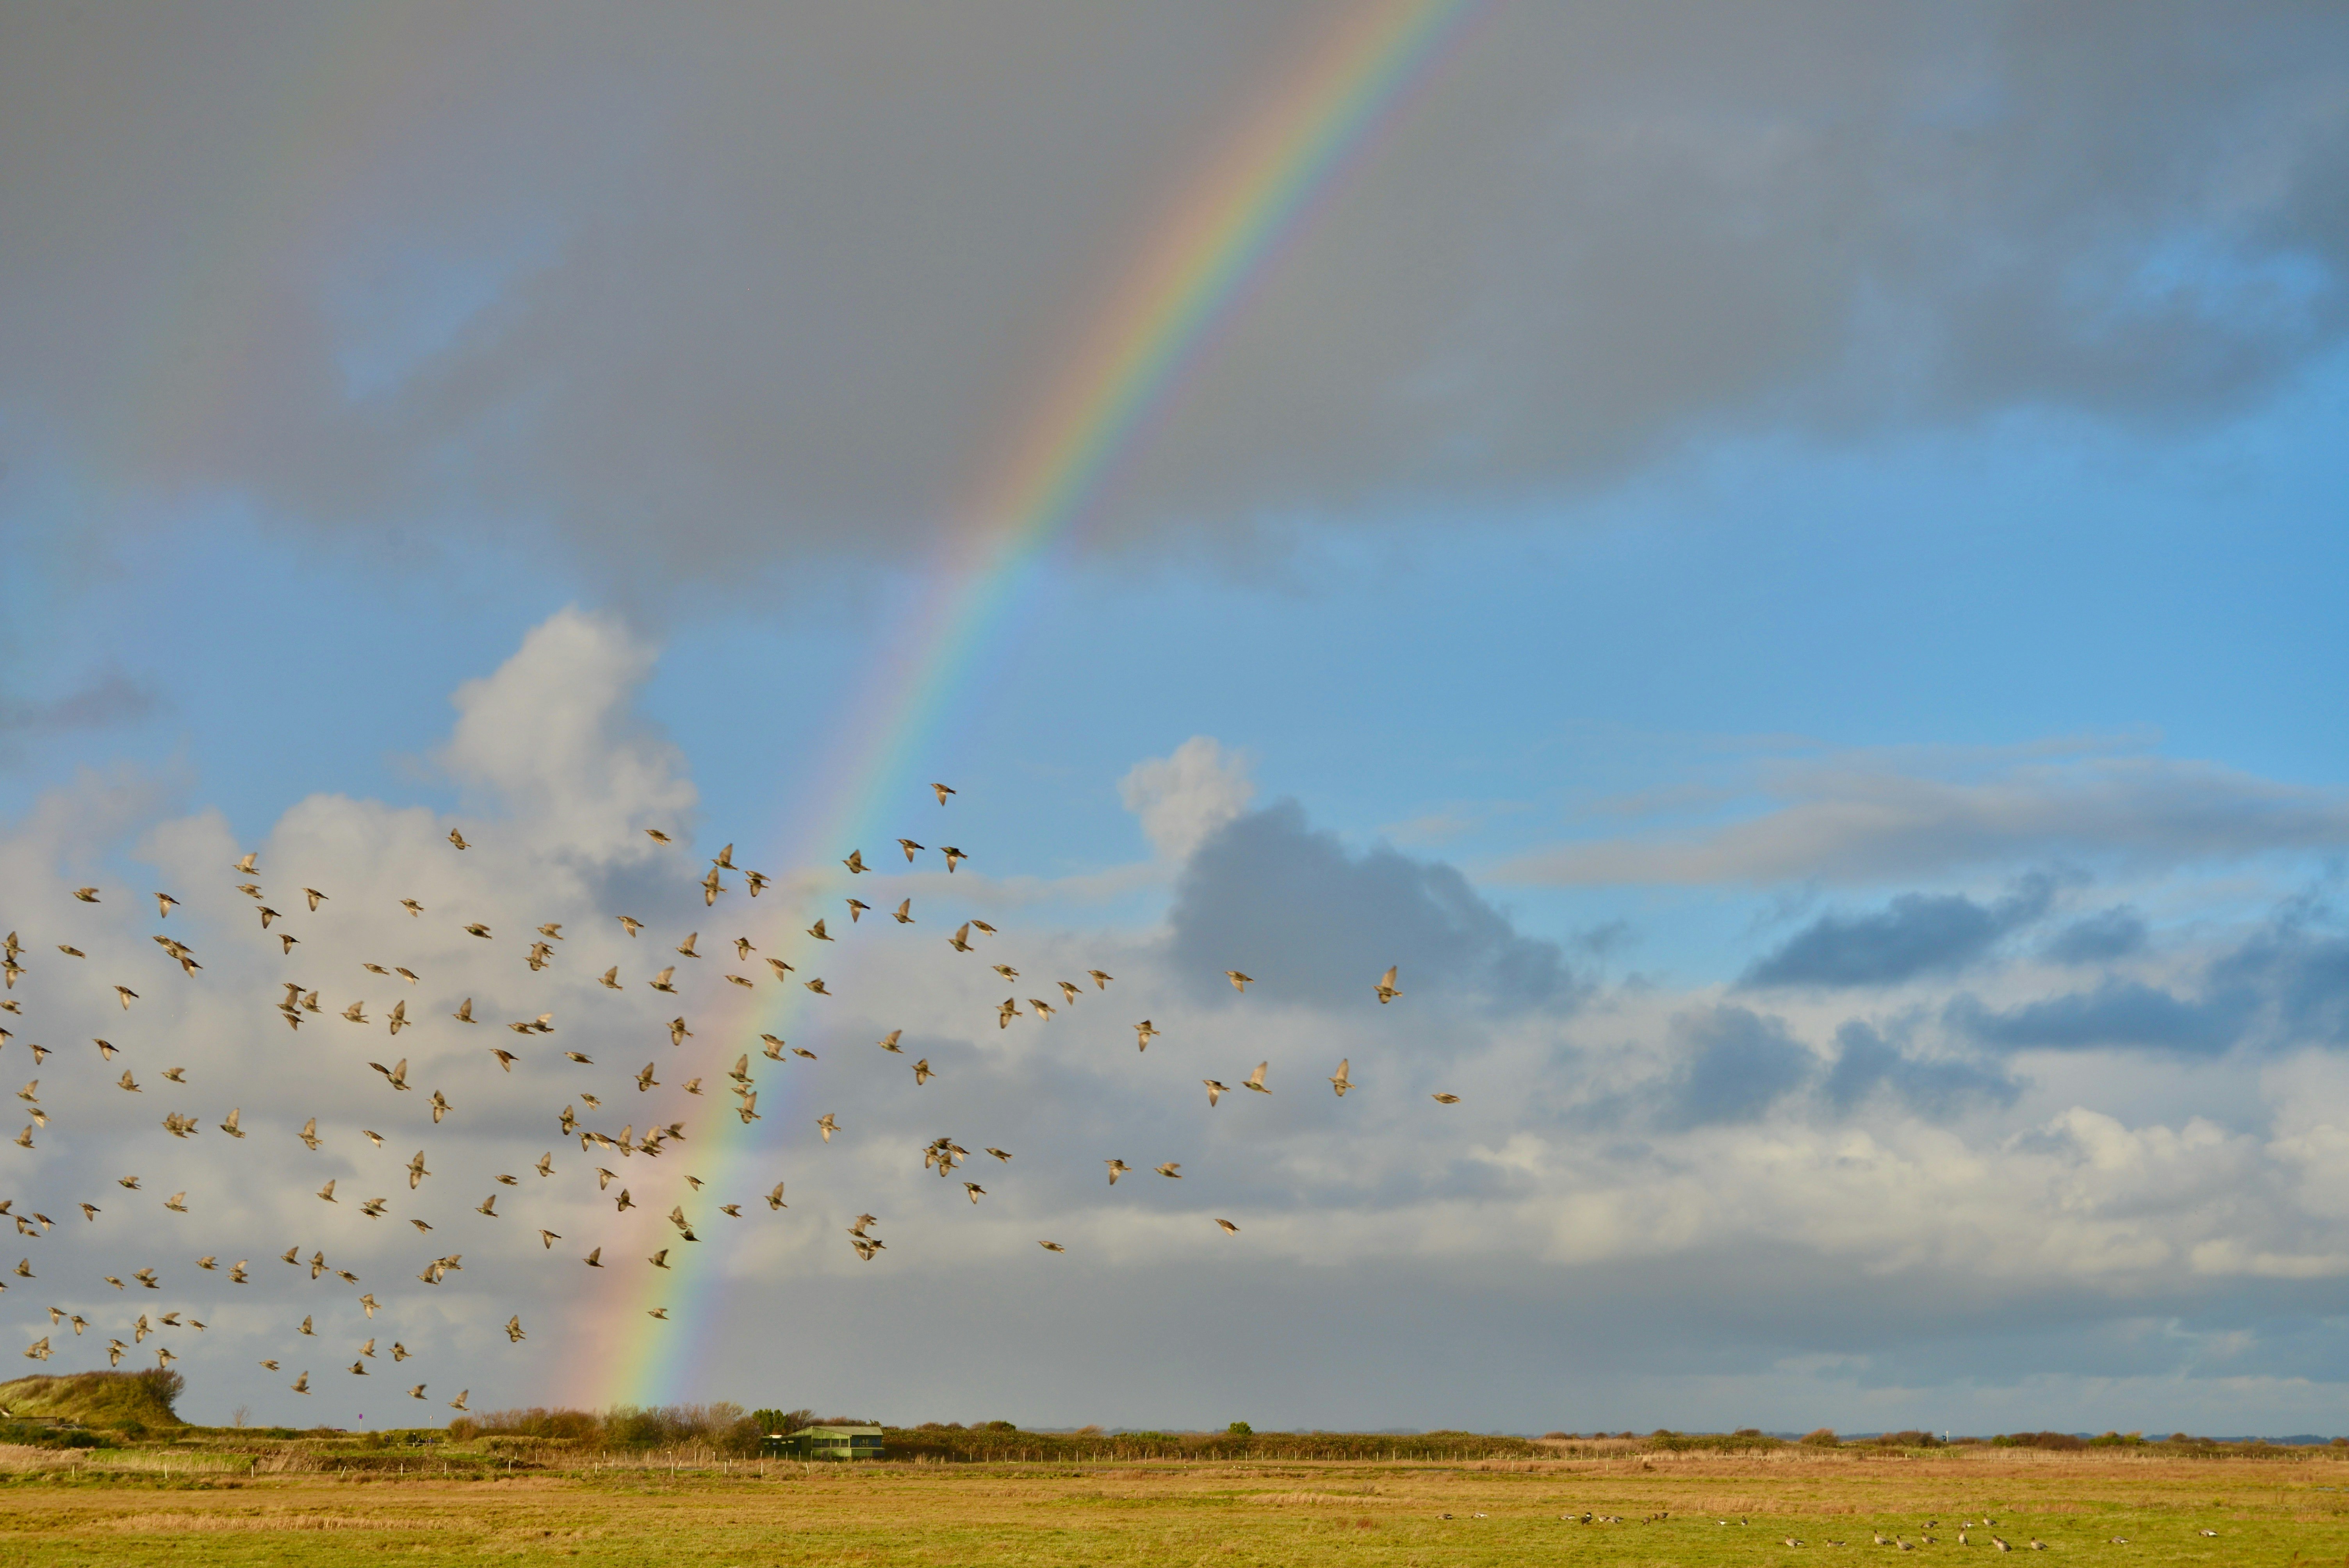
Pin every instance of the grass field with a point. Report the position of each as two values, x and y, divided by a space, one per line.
154 1507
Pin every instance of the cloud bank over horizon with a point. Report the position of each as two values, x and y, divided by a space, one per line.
1929 1103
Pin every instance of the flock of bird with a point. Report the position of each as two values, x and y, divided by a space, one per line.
301 1005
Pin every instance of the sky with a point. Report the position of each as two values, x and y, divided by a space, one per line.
1779 562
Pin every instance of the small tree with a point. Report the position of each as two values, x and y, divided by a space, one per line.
1240 1429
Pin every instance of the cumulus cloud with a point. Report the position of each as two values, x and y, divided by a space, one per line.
1737 1065
1185 797
551 738
1859 824
1916 934
1866 1064
1269 895
2099 938
791 279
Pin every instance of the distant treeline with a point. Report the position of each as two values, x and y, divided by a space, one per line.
1000 1440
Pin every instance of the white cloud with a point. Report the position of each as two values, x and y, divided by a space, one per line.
1186 796
1856 823
551 735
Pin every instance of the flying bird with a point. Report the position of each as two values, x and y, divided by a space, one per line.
1339 1080
943 791
1117 1168
1144 1033
1215 1091
1387 989
1256 1079
888 1042
163 902
1445 1098
1172 1169
87 895
1228 1228
1047 1246
902 914
458 838
960 940
952 855
827 1126
855 862
630 924
1239 981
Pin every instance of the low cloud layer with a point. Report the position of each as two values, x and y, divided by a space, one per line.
1850 823
1909 1130
795 280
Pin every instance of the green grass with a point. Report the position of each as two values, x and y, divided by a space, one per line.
115 1401
127 1509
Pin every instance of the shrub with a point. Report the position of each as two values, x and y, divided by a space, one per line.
1824 1437
1912 1439
1239 1429
2060 1442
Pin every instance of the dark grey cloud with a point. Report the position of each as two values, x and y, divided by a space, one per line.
1916 934
1737 1065
106 699
1866 1064
2299 973
1267 895
2119 1013
2099 938
788 277
2285 986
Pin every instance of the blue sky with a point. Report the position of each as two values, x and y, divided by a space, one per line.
1789 583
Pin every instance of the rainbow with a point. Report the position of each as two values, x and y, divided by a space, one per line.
1195 270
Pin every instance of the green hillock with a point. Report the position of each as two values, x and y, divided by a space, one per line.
113 1401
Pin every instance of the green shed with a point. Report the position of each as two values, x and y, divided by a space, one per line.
835 1443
